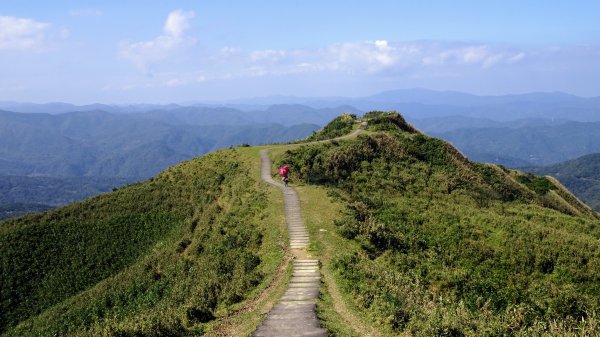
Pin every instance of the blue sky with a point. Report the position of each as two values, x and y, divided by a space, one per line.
183 51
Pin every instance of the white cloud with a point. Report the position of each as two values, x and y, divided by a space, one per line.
371 57
516 58
375 58
381 56
20 33
178 22
146 53
483 56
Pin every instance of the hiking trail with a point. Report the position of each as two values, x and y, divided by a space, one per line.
294 314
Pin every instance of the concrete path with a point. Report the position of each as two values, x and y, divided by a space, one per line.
294 314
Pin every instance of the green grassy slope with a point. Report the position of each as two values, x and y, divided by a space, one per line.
581 175
339 126
162 257
434 244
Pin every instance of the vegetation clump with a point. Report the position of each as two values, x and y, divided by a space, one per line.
581 175
540 185
338 127
388 121
450 247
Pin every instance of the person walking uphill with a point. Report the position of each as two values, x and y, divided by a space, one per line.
283 172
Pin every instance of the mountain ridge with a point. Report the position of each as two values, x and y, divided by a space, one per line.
580 175
176 254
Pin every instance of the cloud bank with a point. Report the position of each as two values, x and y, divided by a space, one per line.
21 33
174 59
372 57
145 54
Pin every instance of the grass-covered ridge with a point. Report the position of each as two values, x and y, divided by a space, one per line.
451 247
339 126
162 257
581 175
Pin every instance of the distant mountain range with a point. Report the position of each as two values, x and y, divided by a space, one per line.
284 114
581 176
102 144
413 103
422 103
451 123
136 141
526 146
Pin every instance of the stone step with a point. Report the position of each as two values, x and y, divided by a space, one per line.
316 275
282 323
305 285
294 306
302 290
295 315
298 297
294 331
305 272
311 292
304 278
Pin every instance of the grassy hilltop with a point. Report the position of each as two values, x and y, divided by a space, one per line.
414 238
162 257
429 243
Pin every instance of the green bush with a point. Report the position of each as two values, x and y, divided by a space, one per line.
338 127
540 185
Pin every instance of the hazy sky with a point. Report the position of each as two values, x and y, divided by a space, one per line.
181 51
